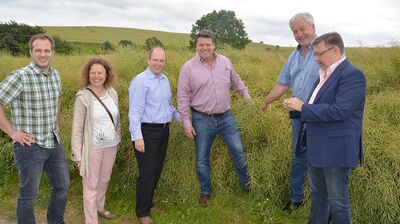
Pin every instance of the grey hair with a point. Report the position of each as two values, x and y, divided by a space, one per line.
305 15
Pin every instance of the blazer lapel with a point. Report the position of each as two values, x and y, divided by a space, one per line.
334 75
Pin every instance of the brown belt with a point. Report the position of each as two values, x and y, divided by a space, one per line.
208 114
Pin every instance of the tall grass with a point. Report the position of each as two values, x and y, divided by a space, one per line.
374 189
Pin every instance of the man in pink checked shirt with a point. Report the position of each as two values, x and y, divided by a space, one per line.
204 88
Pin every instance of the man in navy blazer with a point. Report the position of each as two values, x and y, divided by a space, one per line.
332 128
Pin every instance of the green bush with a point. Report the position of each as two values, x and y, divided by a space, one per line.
13 36
153 42
63 46
107 47
125 43
10 45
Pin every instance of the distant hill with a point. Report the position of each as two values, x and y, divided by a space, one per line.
96 34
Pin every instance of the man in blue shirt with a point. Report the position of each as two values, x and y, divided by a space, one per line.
150 112
299 74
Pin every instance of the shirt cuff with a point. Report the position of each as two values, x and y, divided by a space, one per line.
136 135
186 123
177 117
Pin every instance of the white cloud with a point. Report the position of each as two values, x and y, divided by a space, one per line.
372 22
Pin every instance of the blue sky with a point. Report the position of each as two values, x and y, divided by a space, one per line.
360 22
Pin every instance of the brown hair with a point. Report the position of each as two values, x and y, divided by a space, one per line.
110 74
331 39
41 36
205 34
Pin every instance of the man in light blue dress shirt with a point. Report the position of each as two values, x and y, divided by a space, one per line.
299 74
150 112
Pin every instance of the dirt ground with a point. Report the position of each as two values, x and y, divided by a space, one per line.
71 217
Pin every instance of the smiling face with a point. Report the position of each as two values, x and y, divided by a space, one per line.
97 75
303 31
156 62
42 54
205 48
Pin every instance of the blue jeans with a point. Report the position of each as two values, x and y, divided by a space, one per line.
298 169
207 128
30 161
329 189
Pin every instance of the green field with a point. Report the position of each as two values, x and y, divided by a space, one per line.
95 34
375 186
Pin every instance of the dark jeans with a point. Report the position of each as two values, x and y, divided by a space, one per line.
150 166
30 161
207 128
329 188
298 170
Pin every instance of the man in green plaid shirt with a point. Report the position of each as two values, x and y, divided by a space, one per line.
33 93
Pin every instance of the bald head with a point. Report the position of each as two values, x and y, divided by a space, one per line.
156 60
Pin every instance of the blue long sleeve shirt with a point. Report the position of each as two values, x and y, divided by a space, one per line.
150 101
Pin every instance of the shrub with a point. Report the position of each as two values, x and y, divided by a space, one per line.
107 47
10 45
62 46
125 43
153 42
15 36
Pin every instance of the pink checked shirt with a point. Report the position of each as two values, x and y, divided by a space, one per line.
207 89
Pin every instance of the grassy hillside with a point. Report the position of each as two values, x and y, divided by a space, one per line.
374 191
94 34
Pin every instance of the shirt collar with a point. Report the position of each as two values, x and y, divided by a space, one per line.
39 71
151 75
336 64
197 57
310 45
331 69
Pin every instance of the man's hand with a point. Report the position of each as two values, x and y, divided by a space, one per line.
293 104
17 136
139 145
189 132
22 138
247 98
264 105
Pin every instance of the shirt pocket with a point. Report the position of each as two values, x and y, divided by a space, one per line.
222 77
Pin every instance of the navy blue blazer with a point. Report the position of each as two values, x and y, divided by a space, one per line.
334 120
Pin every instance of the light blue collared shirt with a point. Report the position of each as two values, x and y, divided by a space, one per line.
300 73
150 101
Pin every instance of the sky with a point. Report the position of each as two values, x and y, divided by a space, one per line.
360 22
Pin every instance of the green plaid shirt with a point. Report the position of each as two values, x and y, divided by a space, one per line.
33 97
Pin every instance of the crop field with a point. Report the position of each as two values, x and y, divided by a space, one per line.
375 185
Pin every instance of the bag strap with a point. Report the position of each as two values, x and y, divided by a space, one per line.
105 107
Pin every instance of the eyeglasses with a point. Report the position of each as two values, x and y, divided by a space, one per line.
319 54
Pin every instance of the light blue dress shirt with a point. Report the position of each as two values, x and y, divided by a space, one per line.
300 73
150 101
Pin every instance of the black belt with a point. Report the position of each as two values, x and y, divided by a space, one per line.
208 114
155 125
